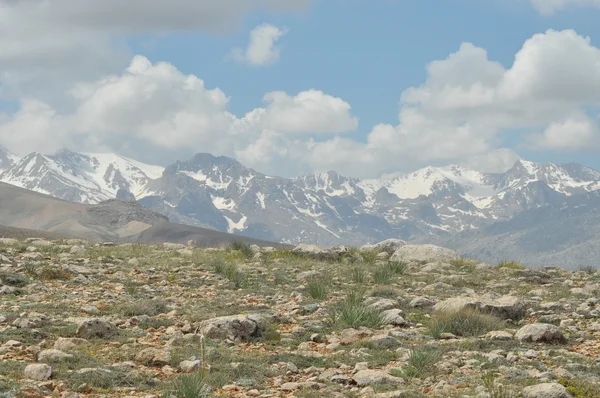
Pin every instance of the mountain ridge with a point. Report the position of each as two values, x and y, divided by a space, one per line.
435 204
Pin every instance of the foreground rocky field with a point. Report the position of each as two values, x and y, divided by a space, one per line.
386 320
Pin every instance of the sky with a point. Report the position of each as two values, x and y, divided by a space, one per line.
365 88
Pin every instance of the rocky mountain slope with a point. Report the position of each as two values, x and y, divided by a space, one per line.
434 204
110 220
392 320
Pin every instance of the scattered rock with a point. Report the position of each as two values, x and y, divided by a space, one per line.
388 246
540 333
53 356
38 372
96 327
393 317
153 357
67 344
546 390
423 254
368 377
316 252
506 307
235 327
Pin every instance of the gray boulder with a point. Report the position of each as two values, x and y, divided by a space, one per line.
424 254
96 327
316 252
153 357
546 390
235 327
369 377
506 307
53 356
540 333
38 372
389 246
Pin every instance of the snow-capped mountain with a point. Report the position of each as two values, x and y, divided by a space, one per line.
7 159
80 177
430 204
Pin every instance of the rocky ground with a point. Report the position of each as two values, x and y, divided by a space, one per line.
386 320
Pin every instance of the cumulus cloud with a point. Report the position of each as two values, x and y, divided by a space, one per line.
496 161
549 7
36 49
462 113
311 111
261 50
167 111
578 132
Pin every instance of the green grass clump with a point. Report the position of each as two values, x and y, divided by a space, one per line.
358 274
397 267
353 312
421 362
493 389
104 381
589 269
465 322
383 275
369 256
145 307
218 265
15 280
581 388
464 264
237 277
243 248
191 385
510 265
317 289
53 273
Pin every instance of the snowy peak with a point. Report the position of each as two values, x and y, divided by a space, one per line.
434 180
331 183
217 173
81 177
7 159
323 208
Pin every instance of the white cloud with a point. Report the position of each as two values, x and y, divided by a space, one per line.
38 52
261 50
496 161
460 114
549 7
311 111
576 133
159 109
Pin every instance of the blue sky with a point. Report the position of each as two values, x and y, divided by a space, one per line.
366 53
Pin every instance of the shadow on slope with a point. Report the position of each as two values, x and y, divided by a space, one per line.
28 213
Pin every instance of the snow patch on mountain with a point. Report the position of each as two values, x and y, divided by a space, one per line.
233 226
261 200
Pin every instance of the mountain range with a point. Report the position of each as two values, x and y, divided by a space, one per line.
538 214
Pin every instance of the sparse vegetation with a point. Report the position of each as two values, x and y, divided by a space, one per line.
397 267
300 319
243 248
465 322
421 362
145 307
353 312
382 275
316 289
53 273
510 265
188 386
358 274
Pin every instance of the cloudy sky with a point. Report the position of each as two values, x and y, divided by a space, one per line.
288 87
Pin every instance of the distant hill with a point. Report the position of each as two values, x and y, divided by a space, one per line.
27 213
